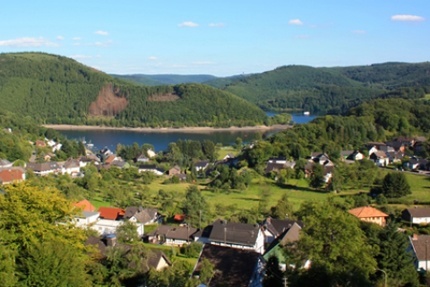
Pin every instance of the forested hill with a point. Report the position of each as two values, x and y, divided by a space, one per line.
333 90
55 89
165 79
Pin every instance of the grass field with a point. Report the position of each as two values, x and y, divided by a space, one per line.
297 191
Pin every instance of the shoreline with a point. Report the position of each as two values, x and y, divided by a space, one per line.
165 130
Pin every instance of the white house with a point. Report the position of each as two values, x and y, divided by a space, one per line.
417 215
107 226
237 235
420 248
44 168
86 218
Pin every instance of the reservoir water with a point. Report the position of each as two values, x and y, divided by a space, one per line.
161 140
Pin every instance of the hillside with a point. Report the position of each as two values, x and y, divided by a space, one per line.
58 90
165 79
333 90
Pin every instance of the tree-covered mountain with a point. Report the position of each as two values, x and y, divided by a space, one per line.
328 90
56 89
165 79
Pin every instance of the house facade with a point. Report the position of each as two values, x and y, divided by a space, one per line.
417 215
12 175
237 235
420 249
369 214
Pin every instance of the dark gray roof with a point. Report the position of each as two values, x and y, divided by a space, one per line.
44 166
232 267
278 226
174 232
234 233
419 211
143 215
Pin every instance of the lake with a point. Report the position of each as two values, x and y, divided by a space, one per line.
161 140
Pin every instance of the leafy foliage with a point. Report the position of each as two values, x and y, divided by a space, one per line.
55 89
322 90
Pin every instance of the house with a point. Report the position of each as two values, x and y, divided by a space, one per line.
369 214
151 153
201 165
273 228
44 168
86 218
107 226
150 168
142 159
85 205
4 163
277 247
417 215
120 163
352 155
416 163
11 175
158 260
71 167
328 169
232 267
380 158
111 213
237 235
176 170
395 156
420 249
40 143
142 215
172 235
275 165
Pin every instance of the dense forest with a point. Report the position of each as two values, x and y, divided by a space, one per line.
55 89
328 90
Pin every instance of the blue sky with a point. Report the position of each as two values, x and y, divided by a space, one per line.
221 37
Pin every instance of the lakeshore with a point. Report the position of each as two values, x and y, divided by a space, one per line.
261 128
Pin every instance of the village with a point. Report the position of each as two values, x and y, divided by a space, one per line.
238 252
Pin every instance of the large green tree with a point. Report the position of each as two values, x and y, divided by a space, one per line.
336 246
195 207
395 185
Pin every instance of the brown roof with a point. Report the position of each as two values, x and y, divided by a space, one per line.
9 175
85 205
419 211
232 267
155 257
278 226
174 232
419 243
367 211
112 213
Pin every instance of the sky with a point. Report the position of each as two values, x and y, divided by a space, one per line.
218 37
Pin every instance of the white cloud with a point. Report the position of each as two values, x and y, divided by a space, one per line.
59 37
216 24
407 18
76 38
295 22
27 42
101 33
188 24
152 58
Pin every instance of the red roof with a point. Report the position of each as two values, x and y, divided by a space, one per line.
112 213
367 211
179 217
10 175
85 205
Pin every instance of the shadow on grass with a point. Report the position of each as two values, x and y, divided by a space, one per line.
300 188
